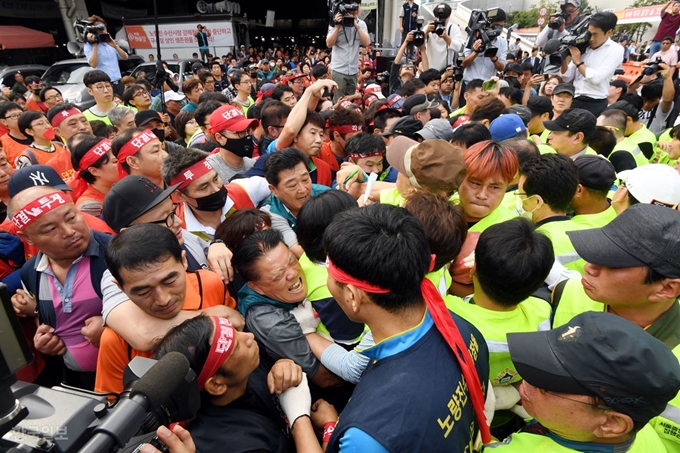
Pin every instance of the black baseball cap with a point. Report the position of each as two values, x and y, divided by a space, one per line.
142 118
602 355
417 103
539 105
35 175
595 172
406 126
130 198
642 235
572 120
564 88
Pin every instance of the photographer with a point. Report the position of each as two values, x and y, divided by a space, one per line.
102 52
591 72
565 21
202 34
345 41
443 39
479 66
402 73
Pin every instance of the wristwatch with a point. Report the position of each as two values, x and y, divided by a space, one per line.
492 59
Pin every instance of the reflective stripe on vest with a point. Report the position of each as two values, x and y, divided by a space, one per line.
672 413
497 346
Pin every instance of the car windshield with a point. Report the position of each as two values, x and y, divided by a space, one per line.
65 73
150 69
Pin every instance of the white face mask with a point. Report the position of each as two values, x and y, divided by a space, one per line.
519 206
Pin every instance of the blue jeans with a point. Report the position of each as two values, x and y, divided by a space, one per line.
654 48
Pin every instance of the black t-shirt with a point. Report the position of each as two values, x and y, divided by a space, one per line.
252 423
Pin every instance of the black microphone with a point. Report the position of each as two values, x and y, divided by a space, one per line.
152 390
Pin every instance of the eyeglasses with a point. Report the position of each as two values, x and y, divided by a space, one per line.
298 81
192 122
54 97
169 221
598 406
141 93
13 117
40 124
517 193
103 87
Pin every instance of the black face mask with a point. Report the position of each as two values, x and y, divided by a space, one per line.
160 133
212 202
242 147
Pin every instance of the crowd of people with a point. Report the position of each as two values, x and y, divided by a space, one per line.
437 258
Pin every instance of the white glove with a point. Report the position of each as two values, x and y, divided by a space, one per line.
304 314
489 404
296 402
506 396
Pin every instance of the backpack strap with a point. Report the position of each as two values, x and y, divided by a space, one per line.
98 264
556 298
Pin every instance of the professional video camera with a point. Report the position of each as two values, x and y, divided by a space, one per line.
479 27
557 20
418 33
83 28
652 67
578 37
63 419
344 7
440 21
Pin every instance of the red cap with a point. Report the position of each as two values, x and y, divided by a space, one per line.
230 118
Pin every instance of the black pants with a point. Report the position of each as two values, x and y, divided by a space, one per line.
594 106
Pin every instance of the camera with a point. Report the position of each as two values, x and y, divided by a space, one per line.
579 37
344 7
418 33
83 28
441 13
458 72
652 67
479 27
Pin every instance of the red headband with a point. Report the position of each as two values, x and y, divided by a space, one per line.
91 156
191 174
346 128
370 99
394 100
38 208
364 155
64 115
372 90
132 147
221 348
445 325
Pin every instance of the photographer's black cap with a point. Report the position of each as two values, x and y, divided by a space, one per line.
406 126
572 120
602 355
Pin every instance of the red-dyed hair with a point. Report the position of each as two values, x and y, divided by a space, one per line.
489 159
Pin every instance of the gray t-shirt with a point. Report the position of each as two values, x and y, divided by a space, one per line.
226 171
279 333
280 224
659 122
345 55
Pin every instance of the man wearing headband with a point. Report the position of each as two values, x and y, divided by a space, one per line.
139 152
43 149
304 129
344 125
233 133
67 120
149 266
207 201
591 385
64 278
367 151
239 392
416 337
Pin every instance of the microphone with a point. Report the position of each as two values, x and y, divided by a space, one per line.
152 390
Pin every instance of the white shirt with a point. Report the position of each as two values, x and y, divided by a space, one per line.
439 55
600 66
482 67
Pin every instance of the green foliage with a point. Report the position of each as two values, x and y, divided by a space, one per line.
527 19
637 31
